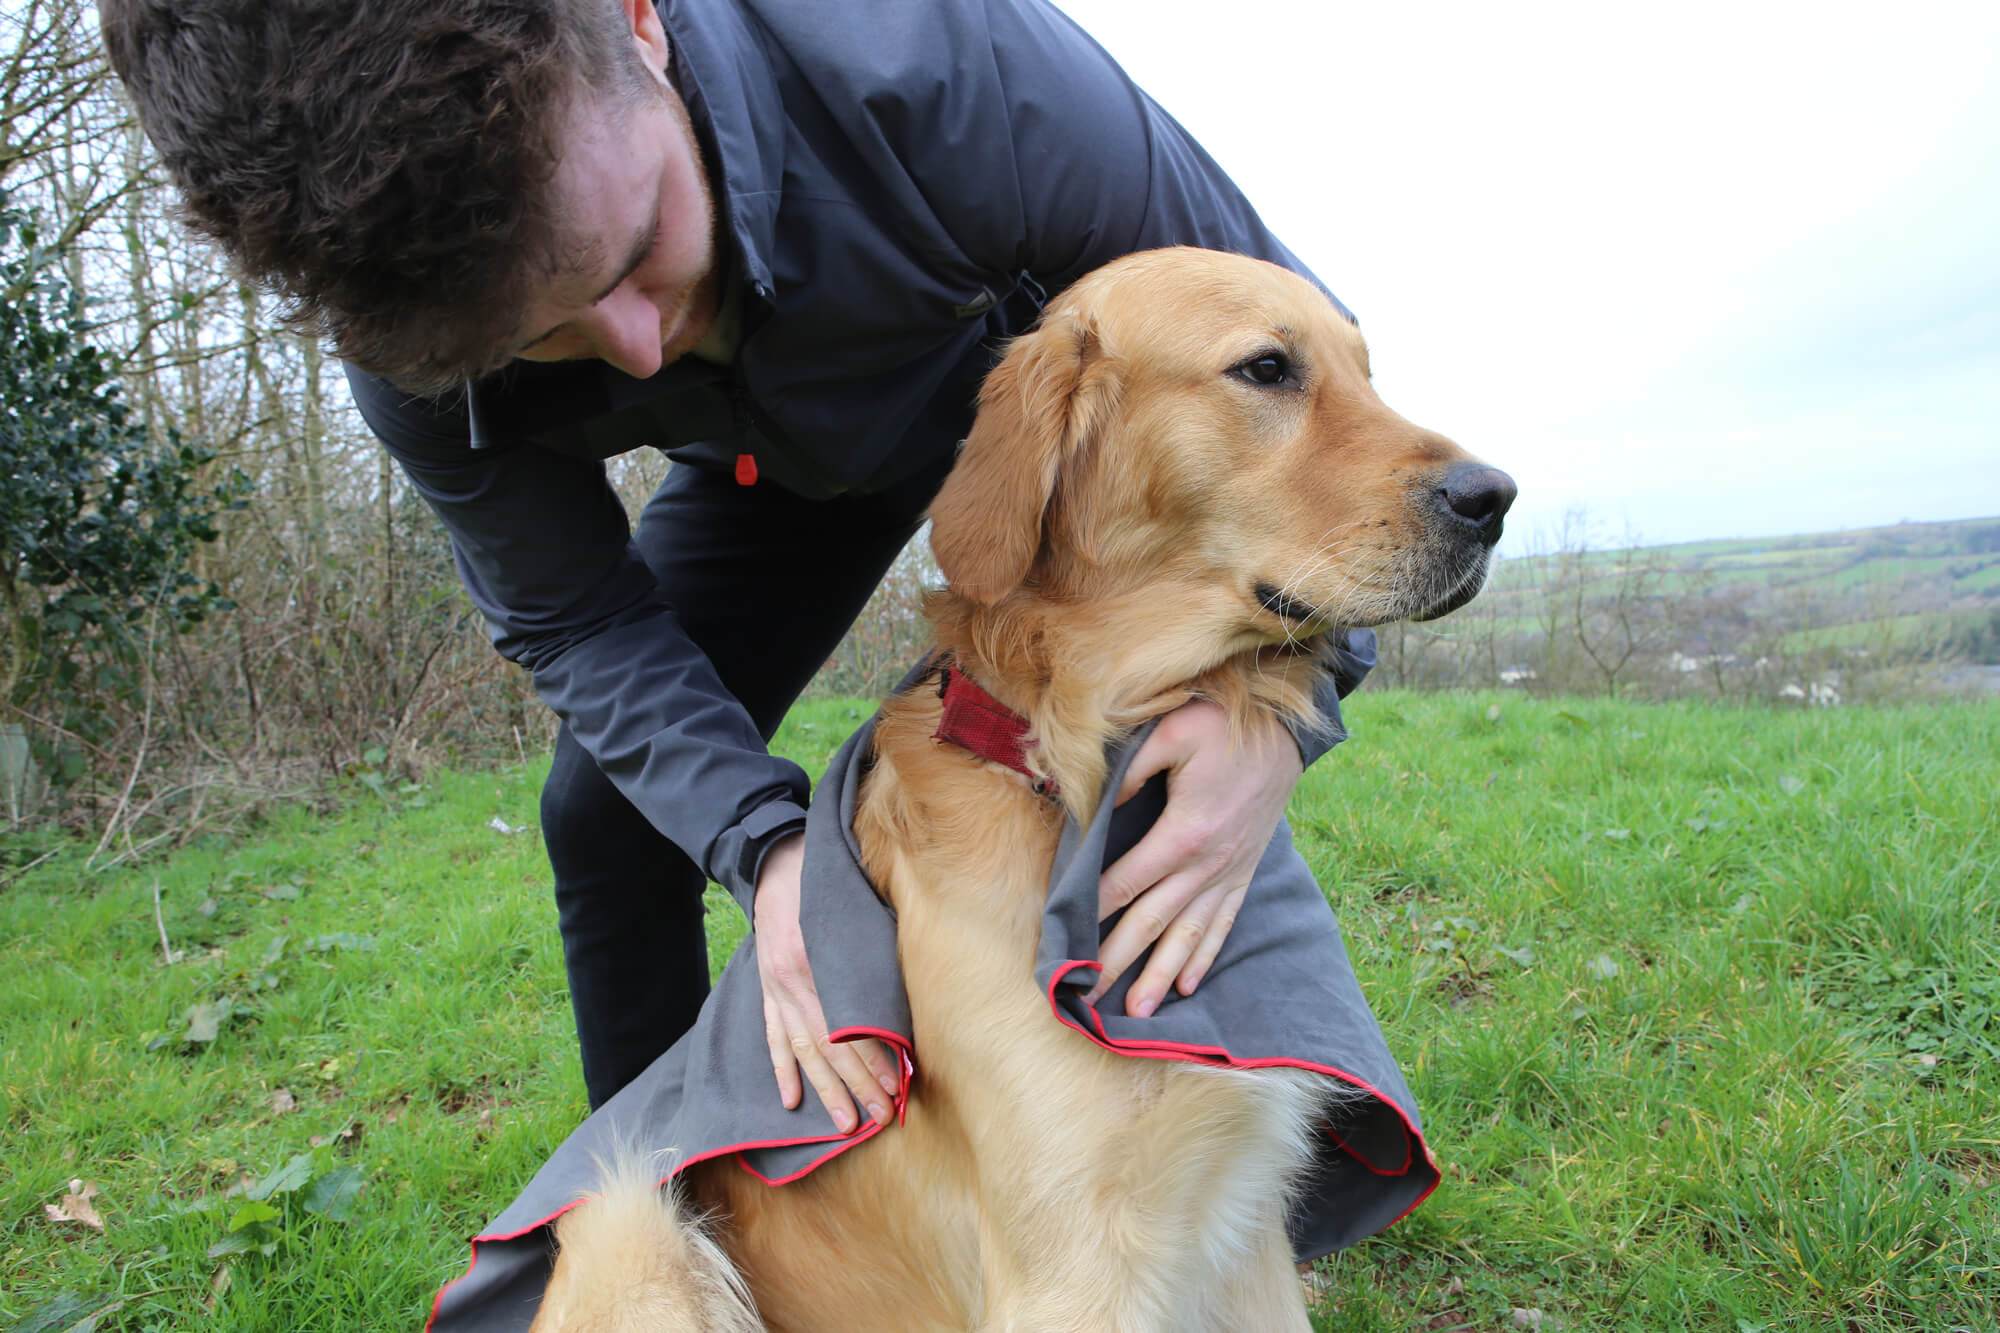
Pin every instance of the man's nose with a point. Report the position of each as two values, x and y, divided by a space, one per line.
625 333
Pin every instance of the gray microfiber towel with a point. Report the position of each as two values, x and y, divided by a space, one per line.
1281 992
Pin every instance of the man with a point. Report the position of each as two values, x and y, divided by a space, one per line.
778 239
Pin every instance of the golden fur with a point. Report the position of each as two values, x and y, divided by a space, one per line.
1127 500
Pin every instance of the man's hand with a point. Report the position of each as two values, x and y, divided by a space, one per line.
794 1026
1185 880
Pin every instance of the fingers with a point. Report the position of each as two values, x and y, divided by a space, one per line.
816 1059
1182 885
843 1074
884 1065
1150 917
1211 942
790 1093
1165 849
1177 944
860 1080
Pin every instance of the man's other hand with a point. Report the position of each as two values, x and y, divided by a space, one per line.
1186 879
843 1073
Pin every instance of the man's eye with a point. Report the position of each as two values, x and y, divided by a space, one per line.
1266 368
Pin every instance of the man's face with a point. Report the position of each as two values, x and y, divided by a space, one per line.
639 284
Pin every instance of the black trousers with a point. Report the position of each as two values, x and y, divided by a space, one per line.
767 584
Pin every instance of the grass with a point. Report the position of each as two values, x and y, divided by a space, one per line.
1702 1007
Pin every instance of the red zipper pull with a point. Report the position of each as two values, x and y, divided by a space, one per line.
746 469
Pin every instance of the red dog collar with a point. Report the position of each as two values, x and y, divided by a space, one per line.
974 720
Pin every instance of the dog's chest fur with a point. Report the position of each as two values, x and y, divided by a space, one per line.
1106 1191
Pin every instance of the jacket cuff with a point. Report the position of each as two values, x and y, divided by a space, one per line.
740 852
1347 657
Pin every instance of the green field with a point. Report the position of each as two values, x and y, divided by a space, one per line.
1878 613
1702 1007
1957 561
1951 559
1915 631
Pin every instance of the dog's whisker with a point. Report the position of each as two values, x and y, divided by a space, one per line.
1315 560
1319 545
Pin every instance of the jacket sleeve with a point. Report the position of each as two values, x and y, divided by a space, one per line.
1347 656
1099 171
543 545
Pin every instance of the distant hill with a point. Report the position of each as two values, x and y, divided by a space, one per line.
1755 615
1960 559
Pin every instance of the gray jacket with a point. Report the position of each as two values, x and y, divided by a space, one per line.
903 182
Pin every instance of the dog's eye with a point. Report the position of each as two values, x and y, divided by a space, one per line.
1266 368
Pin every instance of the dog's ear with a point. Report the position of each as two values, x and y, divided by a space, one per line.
1039 410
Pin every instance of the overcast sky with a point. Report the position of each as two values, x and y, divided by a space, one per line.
1701 271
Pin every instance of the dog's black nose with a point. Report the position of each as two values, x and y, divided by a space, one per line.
1477 497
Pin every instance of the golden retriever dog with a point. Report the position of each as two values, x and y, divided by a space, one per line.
1176 484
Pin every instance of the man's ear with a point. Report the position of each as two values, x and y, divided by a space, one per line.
648 36
1038 410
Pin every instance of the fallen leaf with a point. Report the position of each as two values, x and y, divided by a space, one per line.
204 1021
76 1207
283 1102
1527 1318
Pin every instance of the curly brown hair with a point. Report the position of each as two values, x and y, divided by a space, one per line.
381 165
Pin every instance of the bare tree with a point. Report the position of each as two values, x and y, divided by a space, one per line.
1615 611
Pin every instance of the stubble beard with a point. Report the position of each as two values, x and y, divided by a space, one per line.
702 301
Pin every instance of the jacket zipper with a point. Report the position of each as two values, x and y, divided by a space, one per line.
745 410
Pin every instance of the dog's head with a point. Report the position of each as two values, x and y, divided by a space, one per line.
1189 418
